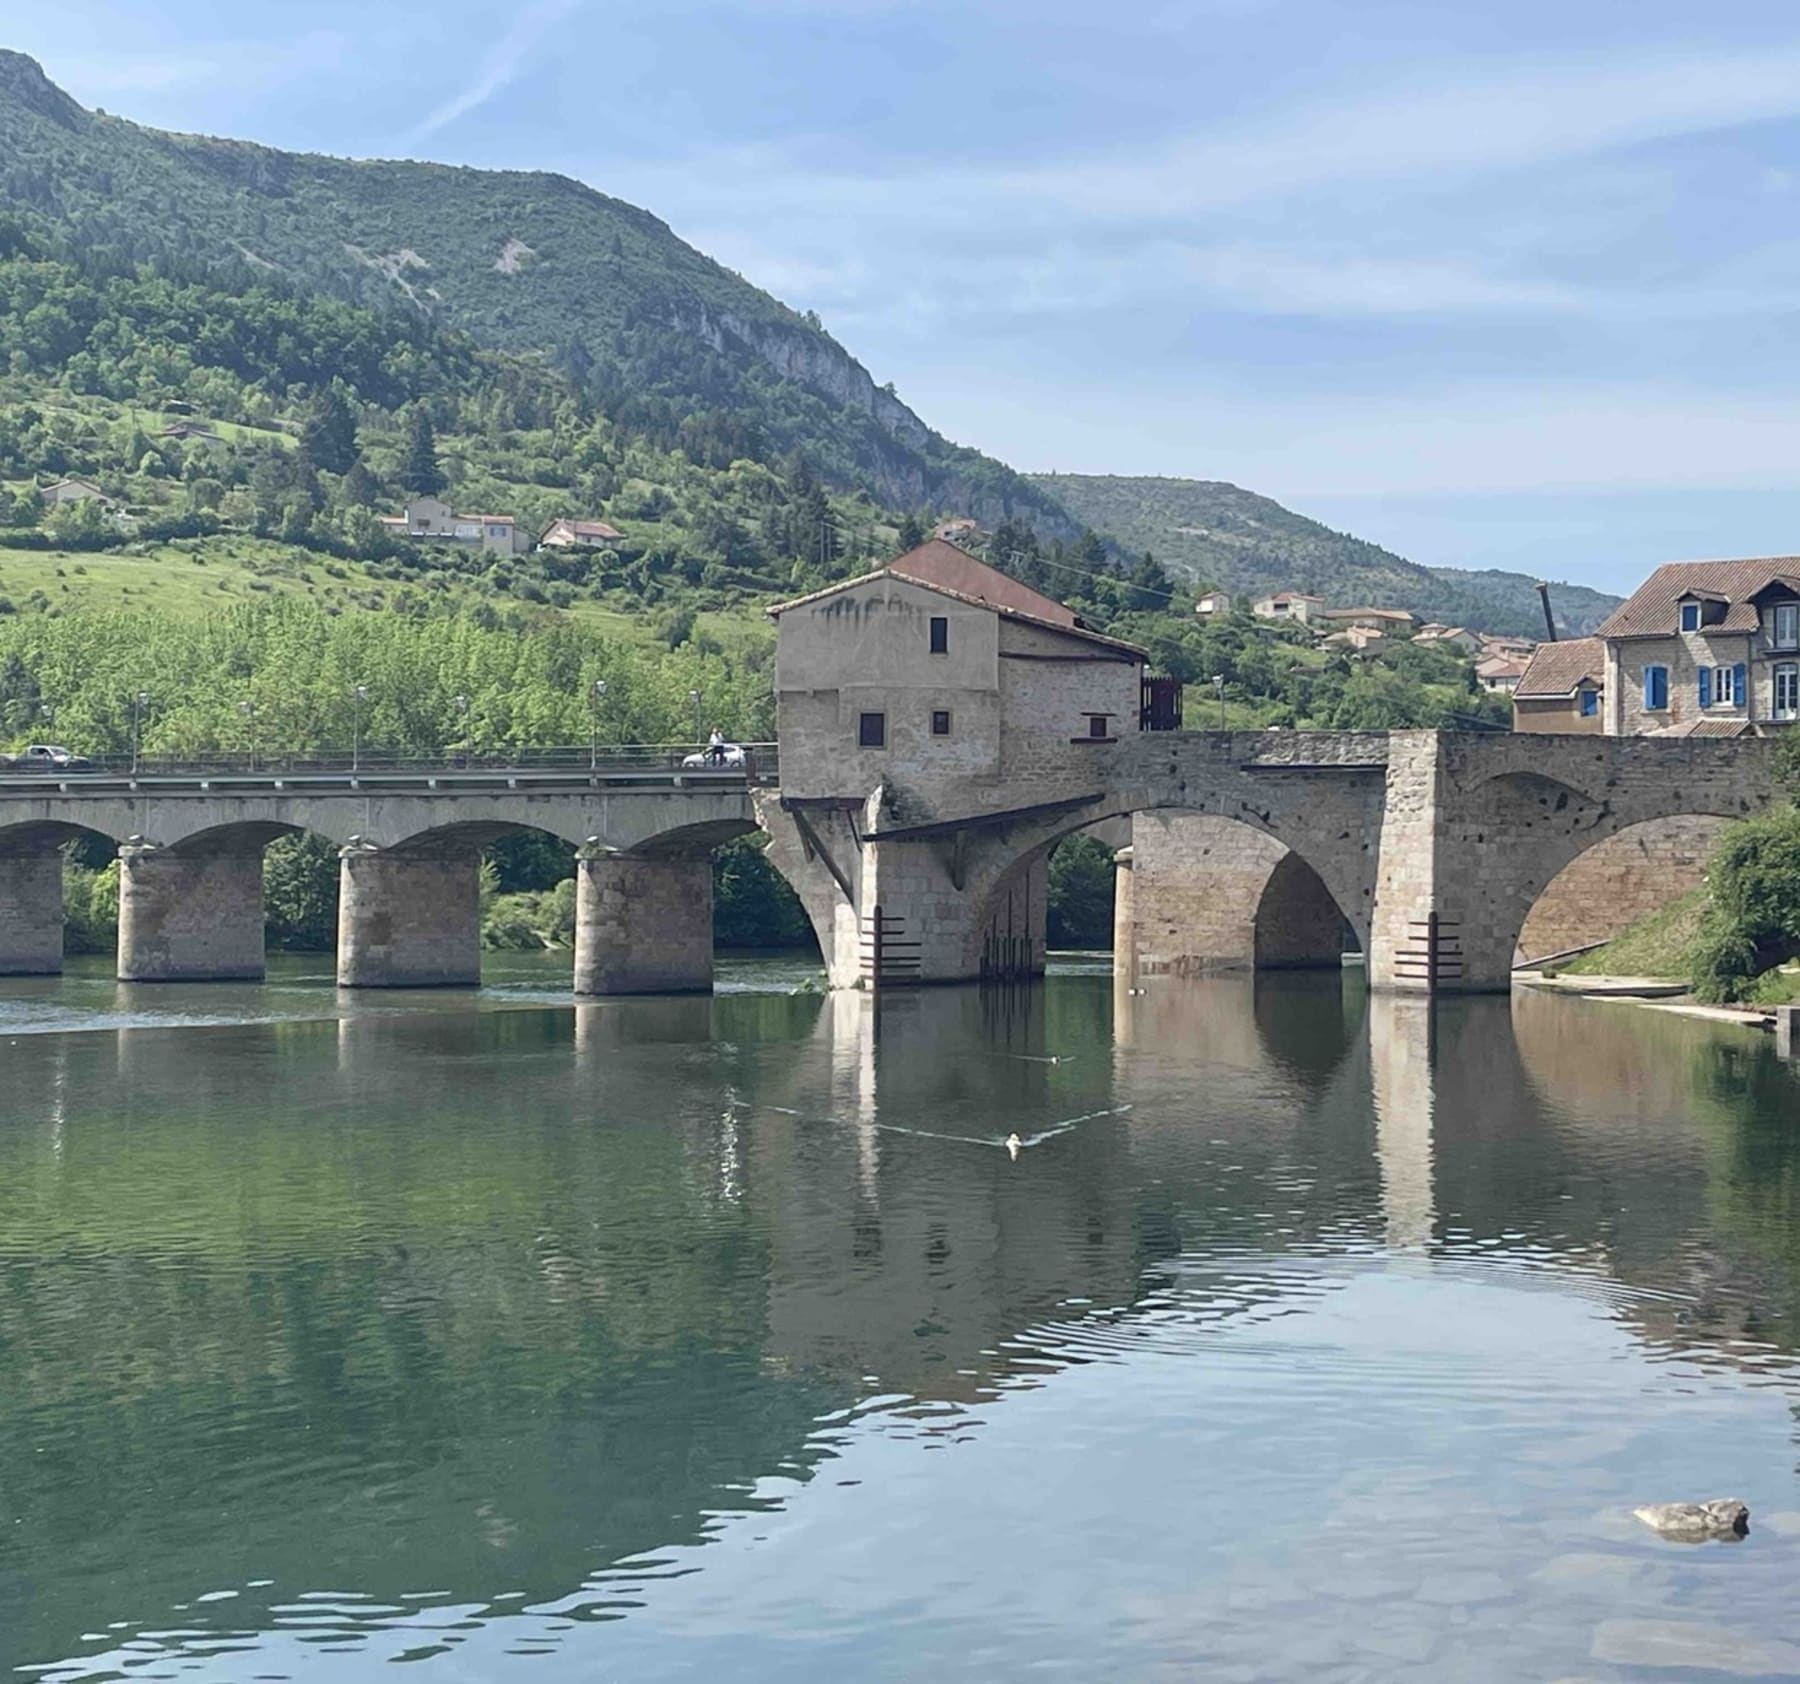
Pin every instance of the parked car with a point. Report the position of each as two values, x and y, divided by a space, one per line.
730 758
45 757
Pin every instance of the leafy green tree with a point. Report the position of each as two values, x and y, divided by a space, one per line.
1754 922
300 893
912 532
1080 890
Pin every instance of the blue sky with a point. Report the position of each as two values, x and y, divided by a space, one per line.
1497 284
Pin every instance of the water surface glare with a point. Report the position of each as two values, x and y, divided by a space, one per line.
1309 1336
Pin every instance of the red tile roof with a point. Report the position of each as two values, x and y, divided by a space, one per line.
1653 611
1557 669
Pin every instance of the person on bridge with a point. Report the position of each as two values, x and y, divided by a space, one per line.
715 747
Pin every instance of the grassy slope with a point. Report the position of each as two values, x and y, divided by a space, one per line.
1206 529
1662 946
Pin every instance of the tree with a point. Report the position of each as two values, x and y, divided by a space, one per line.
912 533
360 487
328 432
1149 587
420 472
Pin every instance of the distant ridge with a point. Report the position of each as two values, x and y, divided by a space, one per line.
1213 531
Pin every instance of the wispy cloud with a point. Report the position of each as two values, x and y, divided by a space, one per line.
500 67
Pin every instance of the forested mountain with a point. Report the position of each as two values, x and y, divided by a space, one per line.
671 344
1209 531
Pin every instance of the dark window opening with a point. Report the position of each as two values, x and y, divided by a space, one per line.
871 730
940 635
940 722
1097 724
1690 616
1590 703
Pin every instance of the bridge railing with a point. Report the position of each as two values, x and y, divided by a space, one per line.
652 761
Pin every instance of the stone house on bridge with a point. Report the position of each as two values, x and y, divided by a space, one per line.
938 668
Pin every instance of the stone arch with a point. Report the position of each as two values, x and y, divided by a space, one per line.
1616 881
1218 890
31 892
1528 830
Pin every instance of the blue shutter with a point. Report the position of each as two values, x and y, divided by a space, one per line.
1706 687
1649 689
1739 683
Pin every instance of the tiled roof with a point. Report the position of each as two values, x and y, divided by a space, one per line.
1705 728
1652 609
1557 669
1365 614
1001 609
586 528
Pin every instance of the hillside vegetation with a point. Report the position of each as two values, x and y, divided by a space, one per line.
1219 534
673 345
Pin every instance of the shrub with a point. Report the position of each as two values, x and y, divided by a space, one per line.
1755 920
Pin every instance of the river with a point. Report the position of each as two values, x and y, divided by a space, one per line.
1308 1335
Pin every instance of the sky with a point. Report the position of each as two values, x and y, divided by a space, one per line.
1510 283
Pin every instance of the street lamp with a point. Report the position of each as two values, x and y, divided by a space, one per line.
694 703
1219 685
248 710
138 703
594 715
362 695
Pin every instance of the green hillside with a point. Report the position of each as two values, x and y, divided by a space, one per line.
672 344
1208 531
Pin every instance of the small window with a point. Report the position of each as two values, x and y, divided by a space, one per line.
1787 691
1097 724
1590 704
940 635
940 722
1656 689
871 730
1787 625
1690 616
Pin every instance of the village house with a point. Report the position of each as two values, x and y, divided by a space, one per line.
431 518
1562 690
1213 602
1357 639
1288 605
1394 621
958 531
938 665
1499 675
580 535
1705 648
1455 637
74 491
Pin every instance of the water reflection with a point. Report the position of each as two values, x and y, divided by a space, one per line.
396 1333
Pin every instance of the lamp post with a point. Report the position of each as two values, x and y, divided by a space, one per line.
1219 685
694 703
361 696
594 718
138 703
248 710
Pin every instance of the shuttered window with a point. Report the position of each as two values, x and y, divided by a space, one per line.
1706 687
1656 689
1740 684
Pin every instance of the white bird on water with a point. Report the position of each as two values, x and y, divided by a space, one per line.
1013 1145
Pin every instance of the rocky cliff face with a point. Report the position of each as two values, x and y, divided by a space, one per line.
810 359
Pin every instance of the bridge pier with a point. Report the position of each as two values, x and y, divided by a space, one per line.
31 913
643 925
408 920
190 917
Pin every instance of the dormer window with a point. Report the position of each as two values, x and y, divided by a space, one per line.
1690 616
1784 625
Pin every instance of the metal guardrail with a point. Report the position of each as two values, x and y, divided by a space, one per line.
631 763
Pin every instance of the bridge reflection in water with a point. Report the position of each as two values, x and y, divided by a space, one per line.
479 1302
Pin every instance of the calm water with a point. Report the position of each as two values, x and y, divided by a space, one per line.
724 1339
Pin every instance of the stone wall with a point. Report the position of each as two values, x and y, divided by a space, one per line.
1618 881
1199 894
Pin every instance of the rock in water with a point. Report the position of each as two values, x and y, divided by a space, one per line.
1697 1523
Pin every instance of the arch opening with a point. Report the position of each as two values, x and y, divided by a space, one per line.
1615 883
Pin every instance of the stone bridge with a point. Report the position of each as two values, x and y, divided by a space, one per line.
191 868
1432 847
1404 837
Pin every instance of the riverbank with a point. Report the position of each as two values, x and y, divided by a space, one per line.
1658 993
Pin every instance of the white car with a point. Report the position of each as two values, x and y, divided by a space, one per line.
730 758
